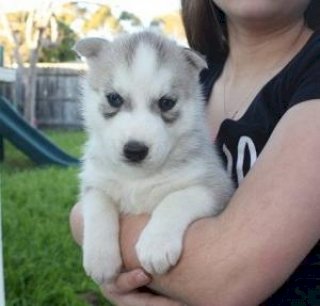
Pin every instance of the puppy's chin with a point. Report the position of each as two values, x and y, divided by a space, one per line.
142 169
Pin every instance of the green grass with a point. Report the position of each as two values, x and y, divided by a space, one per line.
42 263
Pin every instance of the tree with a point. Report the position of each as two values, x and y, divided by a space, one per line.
127 16
17 22
170 24
40 28
61 51
102 18
30 36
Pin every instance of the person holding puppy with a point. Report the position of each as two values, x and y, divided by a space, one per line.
263 93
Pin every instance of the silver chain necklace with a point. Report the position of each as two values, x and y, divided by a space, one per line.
279 63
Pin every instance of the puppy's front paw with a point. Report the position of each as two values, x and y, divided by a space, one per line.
158 250
100 263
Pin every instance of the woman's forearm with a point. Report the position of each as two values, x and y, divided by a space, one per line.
197 279
173 283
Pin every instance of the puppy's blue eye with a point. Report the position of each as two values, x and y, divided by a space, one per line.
114 99
166 103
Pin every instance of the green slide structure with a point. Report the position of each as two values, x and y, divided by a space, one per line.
30 140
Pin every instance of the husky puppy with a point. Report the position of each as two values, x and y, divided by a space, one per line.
148 150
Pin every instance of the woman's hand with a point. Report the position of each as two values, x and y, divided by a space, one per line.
125 291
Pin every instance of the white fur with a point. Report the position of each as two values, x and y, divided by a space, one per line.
180 181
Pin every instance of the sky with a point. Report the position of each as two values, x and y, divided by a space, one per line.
144 9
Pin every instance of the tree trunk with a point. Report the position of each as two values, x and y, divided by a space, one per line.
31 84
30 89
19 86
20 73
26 83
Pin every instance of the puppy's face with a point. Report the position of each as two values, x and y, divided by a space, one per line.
142 97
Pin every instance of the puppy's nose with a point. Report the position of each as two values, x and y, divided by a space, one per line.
135 151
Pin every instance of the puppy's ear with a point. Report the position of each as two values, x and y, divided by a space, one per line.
195 59
90 47
93 49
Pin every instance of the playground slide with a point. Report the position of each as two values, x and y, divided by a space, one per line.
30 140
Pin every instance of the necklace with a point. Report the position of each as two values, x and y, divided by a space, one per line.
233 114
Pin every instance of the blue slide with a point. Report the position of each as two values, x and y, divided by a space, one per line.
30 140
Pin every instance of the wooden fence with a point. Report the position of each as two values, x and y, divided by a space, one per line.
58 96
7 77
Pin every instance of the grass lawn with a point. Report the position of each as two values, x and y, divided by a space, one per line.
42 263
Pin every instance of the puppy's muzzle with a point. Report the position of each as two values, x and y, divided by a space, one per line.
135 151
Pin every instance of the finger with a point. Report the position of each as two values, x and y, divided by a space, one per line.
129 281
141 299
148 299
76 223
